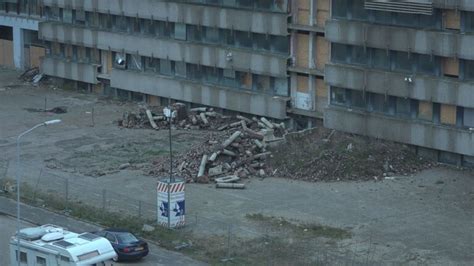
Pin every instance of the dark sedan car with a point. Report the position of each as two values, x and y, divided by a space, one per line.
126 245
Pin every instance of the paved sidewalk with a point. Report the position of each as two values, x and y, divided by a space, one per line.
34 215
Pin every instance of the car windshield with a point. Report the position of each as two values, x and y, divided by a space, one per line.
126 238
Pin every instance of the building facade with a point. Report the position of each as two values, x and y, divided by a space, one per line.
19 43
227 54
396 70
404 71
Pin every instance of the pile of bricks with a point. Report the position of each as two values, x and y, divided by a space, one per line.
235 148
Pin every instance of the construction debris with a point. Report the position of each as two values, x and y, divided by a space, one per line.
235 146
327 155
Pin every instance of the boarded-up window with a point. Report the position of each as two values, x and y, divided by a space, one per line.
321 88
302 83
425 110
322 52
322 13
302 12
302 50
448 114
35 55
452 19
451 66
6 53
246 80
302 98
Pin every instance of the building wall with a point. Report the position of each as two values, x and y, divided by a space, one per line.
21 18
403 77
309 54
228 51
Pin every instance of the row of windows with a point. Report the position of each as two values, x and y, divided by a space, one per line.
403 107
205 74
209 75
261 5
29 7
354 9
396 61
179 31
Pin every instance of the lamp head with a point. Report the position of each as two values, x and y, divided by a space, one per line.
51 122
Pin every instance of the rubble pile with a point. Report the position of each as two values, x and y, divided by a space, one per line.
235 147
327 155
195 118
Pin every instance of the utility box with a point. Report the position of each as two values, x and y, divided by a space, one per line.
171 203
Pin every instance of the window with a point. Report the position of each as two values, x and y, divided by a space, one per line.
357 99
194 33
243 39
262 41
111 238
467 21
23 257
339 8
165 67
211 35
377 102
359 55
79 17
134 62
120 23
67 15
40 261
152 64
403 107
339 53
468 117
380 59
338 96
279 44
357 10
403 61
180 69
468 66
180 31
428 64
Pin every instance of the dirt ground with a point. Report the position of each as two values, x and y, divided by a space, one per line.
425 218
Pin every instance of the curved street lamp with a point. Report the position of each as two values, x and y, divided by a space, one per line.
47 123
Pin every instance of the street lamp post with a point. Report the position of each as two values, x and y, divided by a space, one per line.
47 123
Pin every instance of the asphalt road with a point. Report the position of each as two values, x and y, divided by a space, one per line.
33 215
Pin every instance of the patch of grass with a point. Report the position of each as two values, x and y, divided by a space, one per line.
301 230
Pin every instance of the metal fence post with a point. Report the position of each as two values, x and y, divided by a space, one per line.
104 198
66 186
66 196
140 209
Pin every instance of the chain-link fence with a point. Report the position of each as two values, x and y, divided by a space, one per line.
266 242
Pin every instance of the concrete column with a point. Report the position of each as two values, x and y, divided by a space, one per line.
18 48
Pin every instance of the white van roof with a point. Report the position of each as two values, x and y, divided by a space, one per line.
80 248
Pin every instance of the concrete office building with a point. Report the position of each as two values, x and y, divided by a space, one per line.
396 70
404 71
19 44
227 54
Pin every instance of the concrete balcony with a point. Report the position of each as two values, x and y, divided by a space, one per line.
423 87
195 92
208 55
401 130
69 70
210 16
442 43
467 5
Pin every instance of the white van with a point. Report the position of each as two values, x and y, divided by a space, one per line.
54 246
